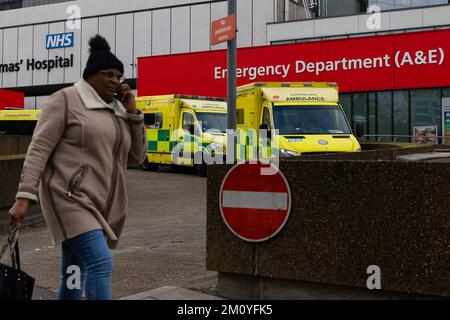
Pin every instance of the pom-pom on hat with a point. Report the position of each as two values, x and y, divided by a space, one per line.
101 57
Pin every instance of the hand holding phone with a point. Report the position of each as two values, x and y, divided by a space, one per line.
126 96
119 94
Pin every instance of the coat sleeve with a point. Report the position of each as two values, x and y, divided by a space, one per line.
49 130
138 151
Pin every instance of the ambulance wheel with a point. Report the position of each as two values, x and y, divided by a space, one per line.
147 166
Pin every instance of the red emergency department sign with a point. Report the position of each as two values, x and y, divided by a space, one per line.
254 206
375 63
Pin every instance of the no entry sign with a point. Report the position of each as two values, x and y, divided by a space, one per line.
255 207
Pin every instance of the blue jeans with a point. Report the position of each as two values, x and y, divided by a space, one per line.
90 253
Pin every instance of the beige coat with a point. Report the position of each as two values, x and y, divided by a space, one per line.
77 160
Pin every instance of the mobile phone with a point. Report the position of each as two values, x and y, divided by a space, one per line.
119 94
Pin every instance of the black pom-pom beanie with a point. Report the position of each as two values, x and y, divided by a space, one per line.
101 57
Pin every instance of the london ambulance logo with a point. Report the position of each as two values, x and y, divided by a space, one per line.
59 40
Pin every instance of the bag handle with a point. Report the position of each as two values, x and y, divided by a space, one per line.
16 262
13 244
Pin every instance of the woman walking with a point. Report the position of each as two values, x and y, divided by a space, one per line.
86 136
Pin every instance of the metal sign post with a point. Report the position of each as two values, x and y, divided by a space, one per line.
224 30
232 83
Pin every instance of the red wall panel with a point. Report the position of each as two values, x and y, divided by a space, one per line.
12 99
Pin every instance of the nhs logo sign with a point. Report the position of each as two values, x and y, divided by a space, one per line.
60 40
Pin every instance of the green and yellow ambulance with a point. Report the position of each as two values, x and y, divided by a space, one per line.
307 116
181 128
20 122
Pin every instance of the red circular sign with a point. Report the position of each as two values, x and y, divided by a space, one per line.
255 201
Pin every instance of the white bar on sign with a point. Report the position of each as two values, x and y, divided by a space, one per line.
255 200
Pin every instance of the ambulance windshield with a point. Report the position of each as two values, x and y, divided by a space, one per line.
213 122
317 119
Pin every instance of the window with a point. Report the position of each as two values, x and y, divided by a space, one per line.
372 116
153 120
346 103
310 119
426 108
266 117
384 114
15 4
188 120
10 4
446 93
401 115
360 110
401 4
212 122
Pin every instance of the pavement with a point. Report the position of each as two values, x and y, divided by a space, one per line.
162 251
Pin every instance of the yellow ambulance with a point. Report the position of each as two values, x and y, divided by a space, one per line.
20 122
307 116
182 128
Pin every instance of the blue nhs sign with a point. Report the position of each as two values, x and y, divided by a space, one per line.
60 40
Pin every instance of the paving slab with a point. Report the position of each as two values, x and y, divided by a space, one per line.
171 293
163 242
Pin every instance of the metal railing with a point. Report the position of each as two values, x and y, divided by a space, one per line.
412 138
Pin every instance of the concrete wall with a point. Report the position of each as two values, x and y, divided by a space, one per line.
12 155
10 169
12 145
346 216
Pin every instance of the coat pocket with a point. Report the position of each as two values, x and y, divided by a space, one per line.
76 179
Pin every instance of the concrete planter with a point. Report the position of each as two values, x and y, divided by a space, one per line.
347 214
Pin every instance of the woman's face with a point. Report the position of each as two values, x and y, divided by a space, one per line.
106 83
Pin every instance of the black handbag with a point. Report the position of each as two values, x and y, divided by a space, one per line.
14 283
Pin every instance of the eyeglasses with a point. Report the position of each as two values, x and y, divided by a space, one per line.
112 76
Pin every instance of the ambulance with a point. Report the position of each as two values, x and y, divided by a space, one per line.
18 121
183 128
307 116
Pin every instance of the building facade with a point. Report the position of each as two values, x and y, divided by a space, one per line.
386 114
34 62
17 4
403 4
150 28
